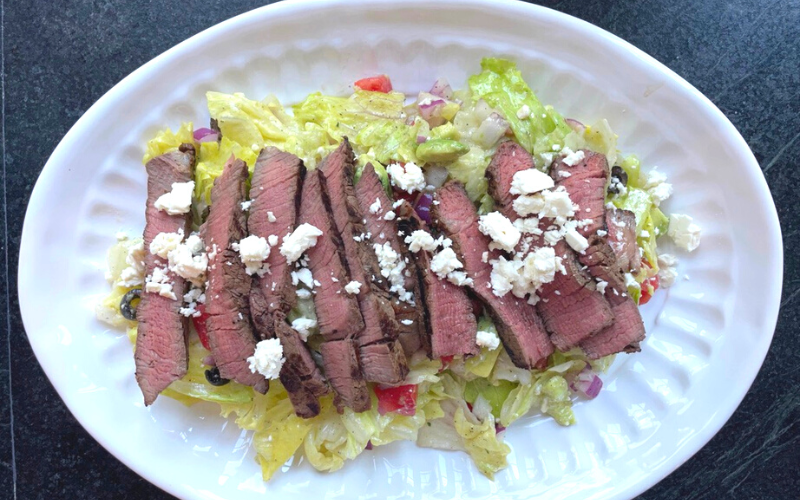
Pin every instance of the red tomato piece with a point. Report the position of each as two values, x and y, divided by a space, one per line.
649 287
200 325
401 399
379 83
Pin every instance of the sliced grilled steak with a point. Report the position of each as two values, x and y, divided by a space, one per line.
627 331
517 323
411 324
160 355
340 360
300 376
338 314
586 185
275 194
450 325
572 309
622 238
380 324
228 324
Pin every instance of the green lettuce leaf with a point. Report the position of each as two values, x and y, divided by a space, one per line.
167 140
501 85
481 443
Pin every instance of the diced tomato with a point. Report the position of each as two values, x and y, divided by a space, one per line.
200 325
446 360
380 83
399 194
649 286
401 399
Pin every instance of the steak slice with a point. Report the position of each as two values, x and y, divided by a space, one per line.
228 323
300 376
627 331
586 185
275 194
410 320
450 325
380 325
572 309
161 351
340 360
338 314
622 238
517 323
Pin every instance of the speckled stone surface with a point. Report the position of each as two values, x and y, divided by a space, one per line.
59 57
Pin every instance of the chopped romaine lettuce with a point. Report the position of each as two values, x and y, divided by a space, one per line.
501 85
167 140
633 168
481 442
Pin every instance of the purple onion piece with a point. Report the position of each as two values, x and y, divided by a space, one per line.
498 428
421 139
369 445
205 135
442 88
431 110
587 383
575 125
423 207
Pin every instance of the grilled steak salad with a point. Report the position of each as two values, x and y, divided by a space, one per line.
365 269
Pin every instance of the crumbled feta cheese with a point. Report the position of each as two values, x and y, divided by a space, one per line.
353 288
573 158
246 205
501 230
189 261
407 322
524 112
375 207
459 278
267 359
546 159
564 174
576 241
684 232
485 257
550 204
409 178
556 147
271 217
253 250
300 240
178 201
133 275
160 283
601 286
602 232
445 262
303 293
164 243
392 268
525 276
420 240
303 275
304 327
389 215
631 282
644 234
488 339
666 270
272 239
530 181
528 225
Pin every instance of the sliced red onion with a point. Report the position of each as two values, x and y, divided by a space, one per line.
491 130
423 207
575 125
205 135
431 111
442 88
587 383
369 445
498 428
421 139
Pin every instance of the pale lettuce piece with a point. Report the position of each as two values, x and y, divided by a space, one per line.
389 140
211 161
167 140
483 363
481 442
495 394
469 169
597 137
279 440
107 310
501 85
633 168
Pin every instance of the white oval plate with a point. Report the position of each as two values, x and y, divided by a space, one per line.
707 336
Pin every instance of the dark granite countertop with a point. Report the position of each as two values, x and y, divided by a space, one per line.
59 57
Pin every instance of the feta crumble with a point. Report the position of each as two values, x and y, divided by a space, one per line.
160 283
253 250
271 217
304 327
657 186
548 203
501 230
667 272
390 215
524 112
576 241
178 201
409 178
420 240
133 275
164 243
246 205
684 232
267 359
445 262
488 339
353 288
272 239
300 240
392 268
530 181
573 158
375 207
